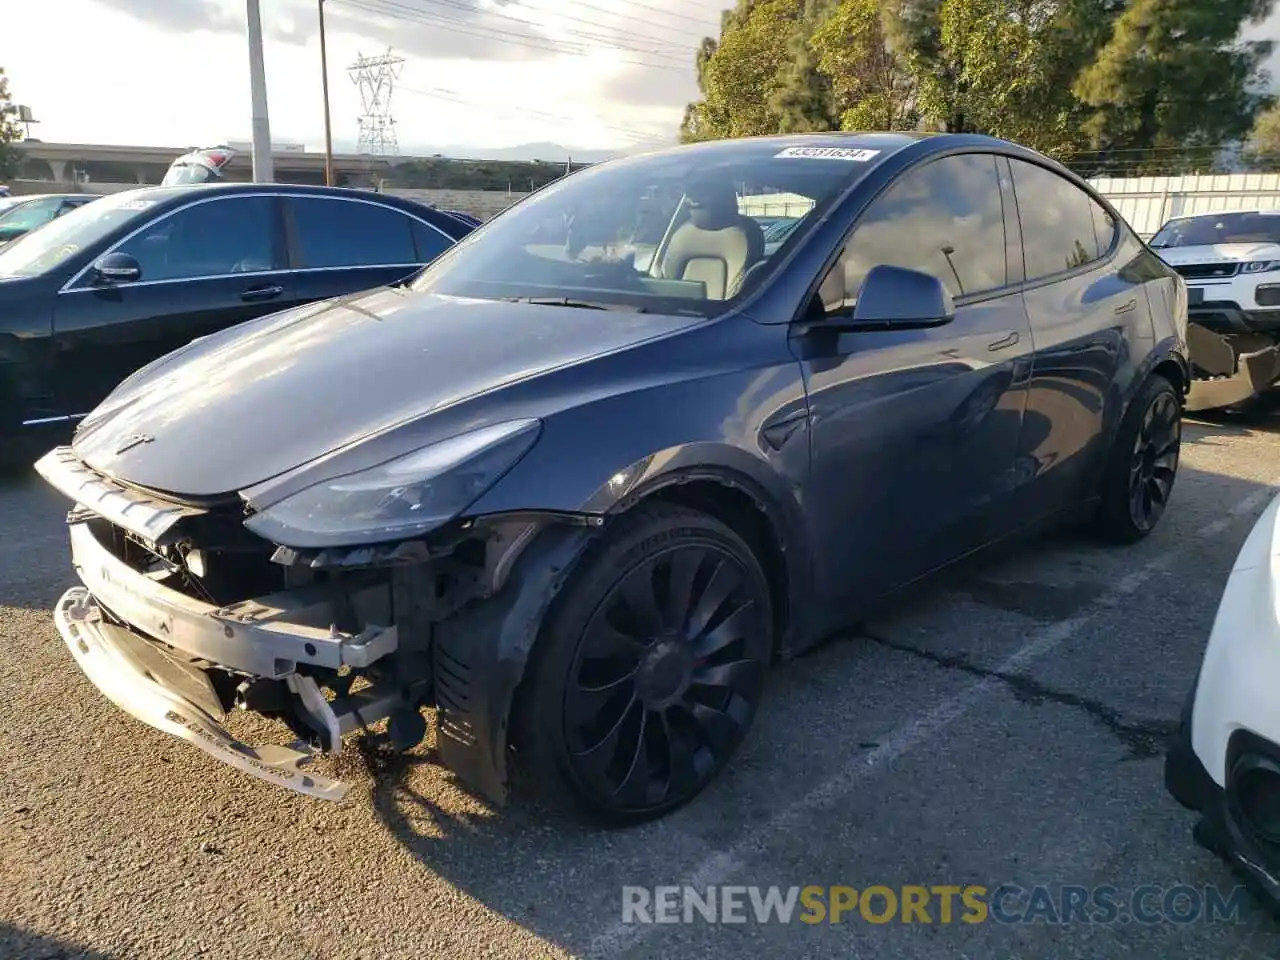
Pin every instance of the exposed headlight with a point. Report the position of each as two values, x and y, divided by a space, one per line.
1260 266
400 498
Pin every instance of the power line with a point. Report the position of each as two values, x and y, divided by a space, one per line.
400 11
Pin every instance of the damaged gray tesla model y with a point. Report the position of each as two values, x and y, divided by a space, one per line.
579 483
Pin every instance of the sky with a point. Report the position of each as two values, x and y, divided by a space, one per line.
477 74
595 74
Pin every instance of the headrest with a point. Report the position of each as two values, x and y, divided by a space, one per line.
713 204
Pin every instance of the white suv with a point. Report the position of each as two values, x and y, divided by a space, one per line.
1231 263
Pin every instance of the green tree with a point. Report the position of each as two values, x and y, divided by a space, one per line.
10 158
1172 84
1263 152
873 86
741 74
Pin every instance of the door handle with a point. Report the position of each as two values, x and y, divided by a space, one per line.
262 293
1126 307
1008 340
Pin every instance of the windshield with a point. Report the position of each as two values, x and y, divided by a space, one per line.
1212 228
44 249
665 232
28 215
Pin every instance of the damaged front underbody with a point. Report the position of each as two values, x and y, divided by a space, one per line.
1229 368
185 616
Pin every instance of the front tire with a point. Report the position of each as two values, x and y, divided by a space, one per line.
1143 464
649 669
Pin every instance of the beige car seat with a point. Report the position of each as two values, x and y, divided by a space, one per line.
717 245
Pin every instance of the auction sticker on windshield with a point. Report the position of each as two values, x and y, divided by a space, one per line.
828 153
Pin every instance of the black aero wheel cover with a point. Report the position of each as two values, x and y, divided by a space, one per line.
666 678
1153 464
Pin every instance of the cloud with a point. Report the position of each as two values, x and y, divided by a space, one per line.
460 29
651 86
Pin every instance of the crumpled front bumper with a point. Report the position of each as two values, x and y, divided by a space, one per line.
147 647
157 688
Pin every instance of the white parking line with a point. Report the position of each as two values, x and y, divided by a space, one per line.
621 936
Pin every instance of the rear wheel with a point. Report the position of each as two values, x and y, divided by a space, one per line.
1143 464
649 671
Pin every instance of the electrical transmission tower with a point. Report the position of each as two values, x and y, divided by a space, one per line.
376 76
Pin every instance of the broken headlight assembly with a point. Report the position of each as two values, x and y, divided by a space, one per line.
400 498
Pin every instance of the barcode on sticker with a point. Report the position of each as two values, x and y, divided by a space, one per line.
829 153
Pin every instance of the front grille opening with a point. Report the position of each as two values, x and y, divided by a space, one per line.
212 558
1208 271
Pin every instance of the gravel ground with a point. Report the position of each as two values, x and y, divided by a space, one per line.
1004 726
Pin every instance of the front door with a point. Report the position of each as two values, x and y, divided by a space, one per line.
205 267
915 432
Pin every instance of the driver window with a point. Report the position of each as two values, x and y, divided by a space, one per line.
945 218
210 239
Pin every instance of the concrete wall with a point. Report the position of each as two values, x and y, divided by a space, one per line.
1147 202
482 204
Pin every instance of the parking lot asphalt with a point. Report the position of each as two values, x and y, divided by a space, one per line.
1003 726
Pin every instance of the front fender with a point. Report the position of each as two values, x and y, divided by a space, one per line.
479 657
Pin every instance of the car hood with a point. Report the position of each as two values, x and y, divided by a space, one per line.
1219 253
244 405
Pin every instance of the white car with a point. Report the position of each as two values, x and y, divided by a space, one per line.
1230 260
1224 762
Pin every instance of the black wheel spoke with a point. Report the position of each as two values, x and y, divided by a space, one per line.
684 570
737 675
728 632
723 583
721 727
636 786
600 707
598 752
642 601
689 762
606 641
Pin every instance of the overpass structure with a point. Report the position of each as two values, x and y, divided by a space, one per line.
112 164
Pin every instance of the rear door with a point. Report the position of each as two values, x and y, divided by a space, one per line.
1090 320
206 266
341 245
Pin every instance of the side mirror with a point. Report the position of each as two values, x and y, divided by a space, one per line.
117 268
894 298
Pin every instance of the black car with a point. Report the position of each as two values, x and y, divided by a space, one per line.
28 213
587 477
97 293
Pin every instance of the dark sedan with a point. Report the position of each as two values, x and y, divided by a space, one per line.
107 288
29 213
587 477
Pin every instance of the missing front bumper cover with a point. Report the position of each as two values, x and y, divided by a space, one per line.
156 689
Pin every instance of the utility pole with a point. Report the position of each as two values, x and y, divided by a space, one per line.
262 172
324 84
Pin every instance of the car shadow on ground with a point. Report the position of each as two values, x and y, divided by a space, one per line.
462 847
18 944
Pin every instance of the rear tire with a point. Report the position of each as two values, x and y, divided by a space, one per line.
1143 464
648 670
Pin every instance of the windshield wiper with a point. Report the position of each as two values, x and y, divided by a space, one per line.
581 304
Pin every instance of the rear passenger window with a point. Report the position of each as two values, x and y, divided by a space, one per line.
429 241
945 218
1060 228
350 233
1104 227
